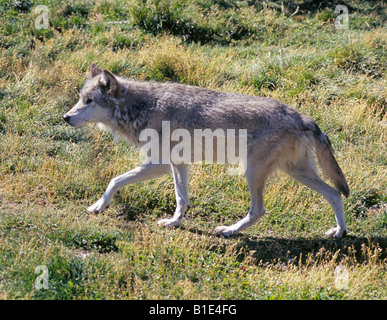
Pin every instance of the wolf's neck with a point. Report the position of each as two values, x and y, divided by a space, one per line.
131 110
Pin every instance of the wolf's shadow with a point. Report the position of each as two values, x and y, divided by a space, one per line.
300 250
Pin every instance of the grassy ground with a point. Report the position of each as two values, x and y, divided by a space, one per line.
50 172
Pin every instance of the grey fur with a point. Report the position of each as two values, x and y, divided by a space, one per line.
279 137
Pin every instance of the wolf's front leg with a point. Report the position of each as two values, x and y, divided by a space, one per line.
99 206
180 179
141 173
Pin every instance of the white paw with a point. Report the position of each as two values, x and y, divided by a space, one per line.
98 207
169 223
336 233
226 231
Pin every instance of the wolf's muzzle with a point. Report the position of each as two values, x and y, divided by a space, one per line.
66 117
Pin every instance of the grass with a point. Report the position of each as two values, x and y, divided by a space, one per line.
50 172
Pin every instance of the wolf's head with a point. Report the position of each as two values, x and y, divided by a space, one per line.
95 99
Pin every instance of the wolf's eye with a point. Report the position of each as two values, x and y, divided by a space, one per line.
89 101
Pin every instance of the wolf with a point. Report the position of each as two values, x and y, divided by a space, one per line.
278 137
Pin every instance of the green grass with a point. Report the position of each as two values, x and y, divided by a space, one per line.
50 172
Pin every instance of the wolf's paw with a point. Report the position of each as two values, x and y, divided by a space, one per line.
169 223
336 233
98 207
226 231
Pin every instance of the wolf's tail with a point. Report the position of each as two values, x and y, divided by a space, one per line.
327 161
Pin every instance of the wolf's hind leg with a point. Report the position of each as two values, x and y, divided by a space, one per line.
141 173
256 179
180 178
307 175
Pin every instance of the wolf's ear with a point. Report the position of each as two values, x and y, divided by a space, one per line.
110 82
94 70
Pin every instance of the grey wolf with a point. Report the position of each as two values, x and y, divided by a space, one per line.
278 137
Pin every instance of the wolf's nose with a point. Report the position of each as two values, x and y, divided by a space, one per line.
66 117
